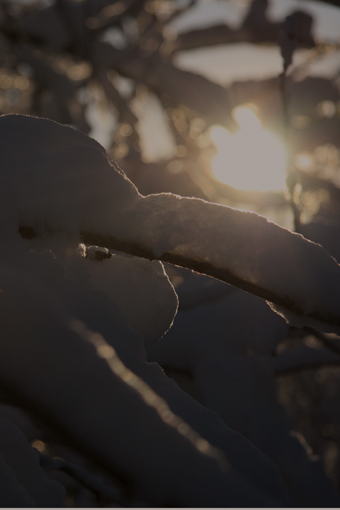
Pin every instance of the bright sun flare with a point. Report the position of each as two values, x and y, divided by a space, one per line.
253 159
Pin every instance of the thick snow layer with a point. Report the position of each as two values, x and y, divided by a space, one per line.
239 320
55 176
246 250
60 377
303 356
141 290
59 188
57 179
55 373
53 370
12 494
23 482
326 234
226 346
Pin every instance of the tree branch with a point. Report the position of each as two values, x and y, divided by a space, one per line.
189 89
255 29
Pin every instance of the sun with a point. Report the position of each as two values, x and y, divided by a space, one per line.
253 159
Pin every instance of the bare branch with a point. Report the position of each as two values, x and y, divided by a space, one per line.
255 29
186 88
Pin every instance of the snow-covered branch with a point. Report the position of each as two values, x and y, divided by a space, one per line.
74 188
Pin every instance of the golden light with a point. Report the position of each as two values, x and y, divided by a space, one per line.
253 159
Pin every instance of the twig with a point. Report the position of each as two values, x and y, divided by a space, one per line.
323 49
288 45
255 29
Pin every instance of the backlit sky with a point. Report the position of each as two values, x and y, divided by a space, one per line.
227 63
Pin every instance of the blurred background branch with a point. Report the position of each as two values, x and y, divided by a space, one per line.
163 95
102 66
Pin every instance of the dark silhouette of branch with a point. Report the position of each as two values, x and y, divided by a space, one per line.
336 3
311 182
114 96
255 29
186 88
288 45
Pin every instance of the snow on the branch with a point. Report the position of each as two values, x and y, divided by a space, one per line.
303 356
50 366
12 494
141 290
23 482
225 346
244 249
57 374
237 319
58 179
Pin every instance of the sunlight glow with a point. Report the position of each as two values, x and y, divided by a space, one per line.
253 159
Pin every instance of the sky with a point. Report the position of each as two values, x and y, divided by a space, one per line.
207 12
226 63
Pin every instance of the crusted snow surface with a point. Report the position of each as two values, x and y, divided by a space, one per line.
62 377
55 178
253 251
59 182
60 374
56 181
224 349
238 319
